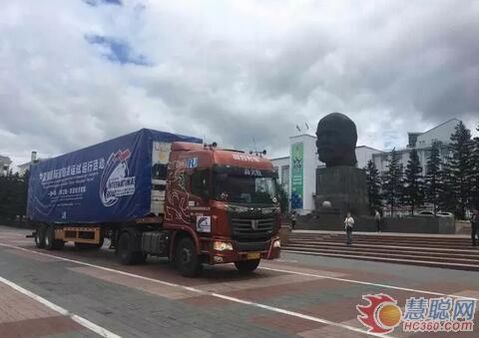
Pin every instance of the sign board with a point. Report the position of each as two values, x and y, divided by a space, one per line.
297 153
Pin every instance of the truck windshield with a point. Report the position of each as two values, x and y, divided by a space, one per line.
244 189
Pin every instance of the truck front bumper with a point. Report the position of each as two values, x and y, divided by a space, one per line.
230 256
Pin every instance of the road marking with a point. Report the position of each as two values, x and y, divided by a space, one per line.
387 286
76 318
286 260
213 294
299 315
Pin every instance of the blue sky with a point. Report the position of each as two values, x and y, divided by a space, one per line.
117 51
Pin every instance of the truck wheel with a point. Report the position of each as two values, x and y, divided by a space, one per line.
140 257
186 258
40 237
125 253
49 238
247 266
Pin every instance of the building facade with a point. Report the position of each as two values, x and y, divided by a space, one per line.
297 172
22 168
422 142
4 165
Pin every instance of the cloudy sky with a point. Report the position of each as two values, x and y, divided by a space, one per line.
73 73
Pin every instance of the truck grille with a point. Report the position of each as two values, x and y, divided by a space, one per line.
245 229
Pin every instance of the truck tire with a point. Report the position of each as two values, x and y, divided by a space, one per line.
125 250
40 237
247 266
186 259
49 238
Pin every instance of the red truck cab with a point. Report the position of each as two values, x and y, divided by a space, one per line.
221 207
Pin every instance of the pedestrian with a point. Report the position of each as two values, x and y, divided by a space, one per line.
378 218
474 222
293 219
349 227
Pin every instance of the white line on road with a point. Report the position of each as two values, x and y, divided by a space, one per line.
299 315
232 299
387 286
80 320
286 260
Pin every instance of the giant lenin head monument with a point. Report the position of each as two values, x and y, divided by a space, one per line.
336 140
340 182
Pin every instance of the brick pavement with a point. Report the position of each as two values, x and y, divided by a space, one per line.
21 316
132 307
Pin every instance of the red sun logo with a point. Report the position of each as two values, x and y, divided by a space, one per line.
381 314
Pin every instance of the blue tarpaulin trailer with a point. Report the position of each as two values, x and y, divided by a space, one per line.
112 181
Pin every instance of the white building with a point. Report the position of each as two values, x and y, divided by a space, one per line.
22 168
422 142
4 165
302 181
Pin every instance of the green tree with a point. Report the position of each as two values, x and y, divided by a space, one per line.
13 195
392 182
413 182
433 178
473 175
374 185
458 172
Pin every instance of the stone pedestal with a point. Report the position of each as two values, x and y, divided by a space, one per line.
344 187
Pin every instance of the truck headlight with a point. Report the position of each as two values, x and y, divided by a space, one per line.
222 246
277 244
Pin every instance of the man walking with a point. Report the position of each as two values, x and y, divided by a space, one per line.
474 222
349 227
377 220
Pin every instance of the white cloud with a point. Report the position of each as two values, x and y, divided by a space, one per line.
233 71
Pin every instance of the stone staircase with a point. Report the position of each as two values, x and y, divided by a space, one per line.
443 251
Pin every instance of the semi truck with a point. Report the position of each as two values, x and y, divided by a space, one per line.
159 194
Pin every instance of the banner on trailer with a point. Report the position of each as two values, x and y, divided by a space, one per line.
107 182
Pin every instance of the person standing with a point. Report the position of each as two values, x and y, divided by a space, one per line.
293 219
377 220
349 221
474 222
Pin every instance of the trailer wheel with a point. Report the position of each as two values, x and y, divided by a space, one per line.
49 238
247 266
186 259
40 237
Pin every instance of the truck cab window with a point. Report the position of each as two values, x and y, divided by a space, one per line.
199 183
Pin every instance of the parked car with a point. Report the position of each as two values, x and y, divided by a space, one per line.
444 214
425 213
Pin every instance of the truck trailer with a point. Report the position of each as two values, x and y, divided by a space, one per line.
159 194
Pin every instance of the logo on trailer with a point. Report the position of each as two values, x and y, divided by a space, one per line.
115 181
